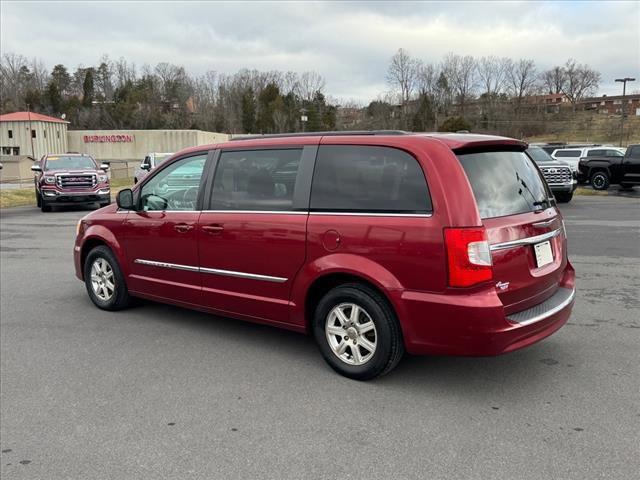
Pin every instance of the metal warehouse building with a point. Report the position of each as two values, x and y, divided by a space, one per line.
26 135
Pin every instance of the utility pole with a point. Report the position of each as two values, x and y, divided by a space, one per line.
624 91
33 157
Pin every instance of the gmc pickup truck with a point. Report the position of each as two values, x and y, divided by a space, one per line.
617 168
70 178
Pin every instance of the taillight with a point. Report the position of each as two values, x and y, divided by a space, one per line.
468 255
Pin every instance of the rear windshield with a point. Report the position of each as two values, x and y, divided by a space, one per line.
504 183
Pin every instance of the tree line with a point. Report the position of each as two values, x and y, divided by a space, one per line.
495 86
116 94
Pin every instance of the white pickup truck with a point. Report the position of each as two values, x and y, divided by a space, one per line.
151 161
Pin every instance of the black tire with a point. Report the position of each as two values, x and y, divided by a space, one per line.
44 206
38 199
564 197
600 180
120 297
388 335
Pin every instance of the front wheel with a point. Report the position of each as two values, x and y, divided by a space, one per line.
600 180
44 207
357 332
38 199
564 197
104 280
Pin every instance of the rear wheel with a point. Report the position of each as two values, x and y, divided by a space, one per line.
357 332
564 197
600 180
104 280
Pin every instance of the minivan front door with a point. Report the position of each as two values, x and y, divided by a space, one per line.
252 239
161 237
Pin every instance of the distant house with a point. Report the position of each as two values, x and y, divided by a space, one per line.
613 105
548 99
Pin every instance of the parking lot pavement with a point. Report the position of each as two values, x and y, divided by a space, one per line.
161 392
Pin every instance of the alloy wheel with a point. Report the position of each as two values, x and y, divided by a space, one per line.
351 334
102 279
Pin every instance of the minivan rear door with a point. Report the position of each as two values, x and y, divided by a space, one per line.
524 227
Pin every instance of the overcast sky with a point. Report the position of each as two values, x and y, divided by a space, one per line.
349 43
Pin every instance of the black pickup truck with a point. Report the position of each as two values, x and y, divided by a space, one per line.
603 170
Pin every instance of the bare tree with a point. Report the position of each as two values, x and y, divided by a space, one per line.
491 74
13 69
427 78
521 79
402 74
461 74
554 80
309 84
581 80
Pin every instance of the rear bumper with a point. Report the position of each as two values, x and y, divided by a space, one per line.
476 325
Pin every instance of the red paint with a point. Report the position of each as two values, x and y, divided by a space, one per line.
405 257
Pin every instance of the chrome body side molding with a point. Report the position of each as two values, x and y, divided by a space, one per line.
213 271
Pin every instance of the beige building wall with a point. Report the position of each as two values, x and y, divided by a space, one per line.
16 169
50 138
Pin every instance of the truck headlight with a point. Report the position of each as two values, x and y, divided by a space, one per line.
102 178
50 180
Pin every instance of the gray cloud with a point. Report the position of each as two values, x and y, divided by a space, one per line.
349 43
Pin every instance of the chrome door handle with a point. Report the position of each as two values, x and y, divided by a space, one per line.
183 227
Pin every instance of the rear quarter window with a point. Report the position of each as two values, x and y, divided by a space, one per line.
504 183
354 178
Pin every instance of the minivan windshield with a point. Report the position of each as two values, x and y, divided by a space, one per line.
505 183
64 162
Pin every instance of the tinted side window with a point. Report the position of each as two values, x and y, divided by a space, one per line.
175 187
614 153
256 180
634 151
596 153
368 179
568 153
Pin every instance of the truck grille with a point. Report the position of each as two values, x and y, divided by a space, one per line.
76 181
555 175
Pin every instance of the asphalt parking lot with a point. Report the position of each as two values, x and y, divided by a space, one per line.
161 392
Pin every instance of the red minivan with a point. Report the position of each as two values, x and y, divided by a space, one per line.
377 243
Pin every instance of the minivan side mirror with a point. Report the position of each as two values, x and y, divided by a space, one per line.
36 168
124 199
104 166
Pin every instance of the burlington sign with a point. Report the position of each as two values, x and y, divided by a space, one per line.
108 138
